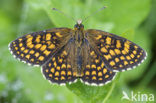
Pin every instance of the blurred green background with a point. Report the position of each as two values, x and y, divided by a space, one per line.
132 19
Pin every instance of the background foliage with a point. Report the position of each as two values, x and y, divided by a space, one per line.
133 19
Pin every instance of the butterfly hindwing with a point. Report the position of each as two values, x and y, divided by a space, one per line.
95 71
36 48
118 54
59 68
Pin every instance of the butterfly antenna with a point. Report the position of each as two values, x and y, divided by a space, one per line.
64 14
94 13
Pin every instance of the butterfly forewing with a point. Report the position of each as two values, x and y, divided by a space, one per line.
118 53
36 48
95 71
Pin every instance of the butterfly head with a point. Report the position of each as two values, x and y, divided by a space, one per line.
79 25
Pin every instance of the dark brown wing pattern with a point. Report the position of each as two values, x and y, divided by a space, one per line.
118 53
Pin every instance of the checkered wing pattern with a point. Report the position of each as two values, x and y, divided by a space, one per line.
59 69
118 54
36 48
95 72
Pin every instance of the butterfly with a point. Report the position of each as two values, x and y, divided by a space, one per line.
65 55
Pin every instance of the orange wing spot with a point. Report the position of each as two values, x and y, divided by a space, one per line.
48 36
62 78
52 70
55 64
100 79
92 53
120 66
60 60
50 75
117 51
93 66
58 34
118 44
63 73
93 72
58 67
63 66
22 48
131 62
49 64
69 73
104 70
20 39
127 44
124 52
132 56
16 48
98 68
38 39
96 61
112 52
102 40
43 47
138 56
136 60
51 46
135 47
32 60
31 46
107 56
29 43
46 52
18 52
108 40
102 65
64 53
122 57
100 74
116 59
134 52
104 50
57 73
128 57
88 66
125 62
38 46
74 73
26 51
20 45
48 42
30 39
28 36
22 55
47 70
53 59
106 76
32 52
68 66
27 56
127 50
112 63
41 58
56 78
94 78
87 73
37 54
98 37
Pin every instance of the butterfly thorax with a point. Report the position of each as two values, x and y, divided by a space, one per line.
79 34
